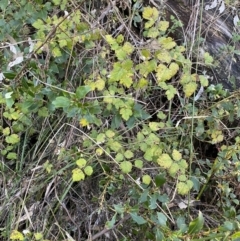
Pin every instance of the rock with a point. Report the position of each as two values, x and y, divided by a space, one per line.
218 29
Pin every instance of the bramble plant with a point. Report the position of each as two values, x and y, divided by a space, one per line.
109 129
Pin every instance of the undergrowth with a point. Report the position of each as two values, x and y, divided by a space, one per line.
109 131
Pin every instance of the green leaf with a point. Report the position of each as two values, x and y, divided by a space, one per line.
203 80
6 131
164 56
9 147
182 178
110 133
119 208
159 235
99 151
171 92
147 67
184 187
128 154
120 38
115 146
39 24
101 138
150 13
186 78
161 115
153 201
173 68
4 152
118 103
110 224
163 73
127 80
163 25
62 43
176 155
140 137
189 88
148 24
173 169
144 196
236 236
143 147
162 220
208 59
148 154
167 42
154 126
196 225
61 101
47 166
56 52
9 100
16 235
126 113
43 112
119 157
138 219
152 139
160 180
196 183
228 225
183 164
128 48
88 170
126 166
9 75
163 198
110 40
77 175
138 164
164 161
12 139
146 54
142 83
81 162
82 91
118 72
57 2
12 156
181 224
152 32
38 236
146 179
4 4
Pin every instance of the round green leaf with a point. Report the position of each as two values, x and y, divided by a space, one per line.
88 170
138 164
110 133
146 179
126 166
128 154
77 175
165 161
81 162
119 157
12 139
177 156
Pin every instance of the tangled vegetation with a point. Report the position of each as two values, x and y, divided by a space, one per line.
110 128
